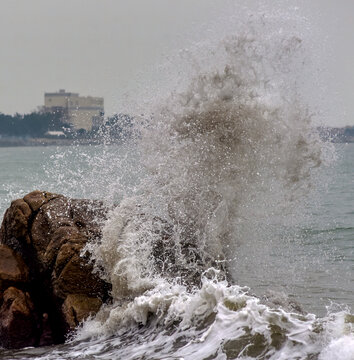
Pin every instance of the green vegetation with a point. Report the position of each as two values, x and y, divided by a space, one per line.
35 124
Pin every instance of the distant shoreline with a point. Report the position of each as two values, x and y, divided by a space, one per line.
334 135
19 142
49 129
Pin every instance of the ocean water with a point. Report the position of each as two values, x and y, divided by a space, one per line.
232 231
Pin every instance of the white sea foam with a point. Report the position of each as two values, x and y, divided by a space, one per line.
339 349
215 321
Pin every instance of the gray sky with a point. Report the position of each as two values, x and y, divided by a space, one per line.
102 47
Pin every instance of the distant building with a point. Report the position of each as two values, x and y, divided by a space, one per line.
82 112
55 133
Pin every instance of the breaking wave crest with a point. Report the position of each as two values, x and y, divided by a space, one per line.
215 321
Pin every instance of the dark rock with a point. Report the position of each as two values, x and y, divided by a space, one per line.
36 199
46 337
78 307
72 277
52 285
18 325
13 269
50 217
15 223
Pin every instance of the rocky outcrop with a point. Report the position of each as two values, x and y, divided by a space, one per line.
18 325
78 307
13 269
47 286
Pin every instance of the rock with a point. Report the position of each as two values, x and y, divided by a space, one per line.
36 199
62 221
48 283
18 325
15 223
50 217
78 307
73 275
46 337
12 268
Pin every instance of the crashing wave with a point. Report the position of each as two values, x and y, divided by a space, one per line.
235 147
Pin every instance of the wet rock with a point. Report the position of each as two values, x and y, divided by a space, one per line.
72 277
50 217
78 307
15 223
42 267
36 199
18 325
46 337
13 269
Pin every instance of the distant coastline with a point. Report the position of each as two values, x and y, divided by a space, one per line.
49 129
335 135
19 142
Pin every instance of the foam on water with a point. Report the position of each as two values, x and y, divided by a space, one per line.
215 321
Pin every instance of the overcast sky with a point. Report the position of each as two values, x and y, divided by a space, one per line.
98 47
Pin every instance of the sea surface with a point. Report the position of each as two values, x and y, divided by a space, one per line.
225 160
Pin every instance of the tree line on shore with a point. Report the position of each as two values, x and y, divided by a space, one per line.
37 124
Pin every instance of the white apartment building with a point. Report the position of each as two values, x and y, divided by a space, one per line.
82 112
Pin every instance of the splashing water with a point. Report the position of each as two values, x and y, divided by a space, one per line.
214 154
236 144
